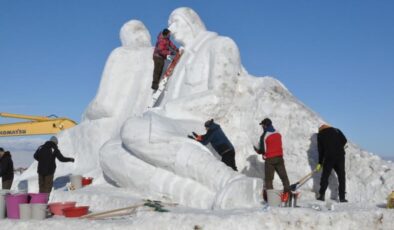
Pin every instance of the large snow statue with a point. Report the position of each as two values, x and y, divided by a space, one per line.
122 89
122 92
207 72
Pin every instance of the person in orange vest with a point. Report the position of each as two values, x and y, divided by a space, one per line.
270 147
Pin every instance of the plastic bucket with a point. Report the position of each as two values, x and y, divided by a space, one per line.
2 206
25 211
38 198
57 207
273 197
87 181
38 211
13 202
76 181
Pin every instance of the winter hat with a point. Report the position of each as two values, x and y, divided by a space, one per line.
1 149
208 123
266 122
323 126
165 32
54 140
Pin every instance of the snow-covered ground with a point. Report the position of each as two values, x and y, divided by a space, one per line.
136 153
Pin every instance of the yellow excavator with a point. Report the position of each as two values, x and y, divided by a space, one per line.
38 125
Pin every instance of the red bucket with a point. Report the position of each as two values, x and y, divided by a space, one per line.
57 207
87 180
75 211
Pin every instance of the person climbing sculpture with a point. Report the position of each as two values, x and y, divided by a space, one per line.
164 49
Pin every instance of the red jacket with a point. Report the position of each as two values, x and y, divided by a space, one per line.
163 45
270 145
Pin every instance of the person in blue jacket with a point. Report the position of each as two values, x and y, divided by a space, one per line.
216 137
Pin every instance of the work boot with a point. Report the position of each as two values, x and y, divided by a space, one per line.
320 197
343 200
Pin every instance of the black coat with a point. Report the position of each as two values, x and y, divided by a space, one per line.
46 156
331 145
6 167
216 137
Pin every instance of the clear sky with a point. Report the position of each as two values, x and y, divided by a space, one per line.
337 57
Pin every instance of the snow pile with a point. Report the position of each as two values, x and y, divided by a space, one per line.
134 152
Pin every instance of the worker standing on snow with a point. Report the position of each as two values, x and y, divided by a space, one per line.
331 146
216 137
270 146
6 169
46 156
164 49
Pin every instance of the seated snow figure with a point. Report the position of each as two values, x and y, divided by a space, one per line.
122 87
123 92
208 70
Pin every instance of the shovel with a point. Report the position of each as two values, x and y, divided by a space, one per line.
302 181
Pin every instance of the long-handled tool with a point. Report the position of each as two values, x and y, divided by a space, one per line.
302 181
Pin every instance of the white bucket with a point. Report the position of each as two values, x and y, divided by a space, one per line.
273 198
39 211
25 211
76 181
2 206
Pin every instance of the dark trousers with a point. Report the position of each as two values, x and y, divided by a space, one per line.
276 164
157 71
45 183
339 167
229 159
6 184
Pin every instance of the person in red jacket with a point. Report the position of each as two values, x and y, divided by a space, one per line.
270 146
164 49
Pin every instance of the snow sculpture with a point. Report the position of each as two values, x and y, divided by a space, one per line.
121 93
126 73
208 69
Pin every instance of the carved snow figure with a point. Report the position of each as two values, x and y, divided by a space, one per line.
160 141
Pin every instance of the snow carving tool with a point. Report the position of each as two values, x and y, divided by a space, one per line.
302 181
163 83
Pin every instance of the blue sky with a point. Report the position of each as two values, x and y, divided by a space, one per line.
337 57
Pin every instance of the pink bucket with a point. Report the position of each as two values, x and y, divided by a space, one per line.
38 198
13 202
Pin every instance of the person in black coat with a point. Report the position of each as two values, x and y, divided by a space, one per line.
46 156
216 137
6 169
331 146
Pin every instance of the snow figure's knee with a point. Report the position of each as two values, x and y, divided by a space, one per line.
135 130
242 192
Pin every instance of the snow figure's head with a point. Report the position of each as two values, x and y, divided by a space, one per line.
134 34
185 25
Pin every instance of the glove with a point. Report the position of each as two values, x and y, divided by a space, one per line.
169 57
191 137
181 49
72 160
256 149
318 167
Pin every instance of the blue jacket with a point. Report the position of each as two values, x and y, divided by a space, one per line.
217 138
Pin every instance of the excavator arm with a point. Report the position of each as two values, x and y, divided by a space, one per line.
38 125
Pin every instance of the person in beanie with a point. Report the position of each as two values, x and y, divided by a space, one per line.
6 169
270 146
46 156
164 49
331 146
216 137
